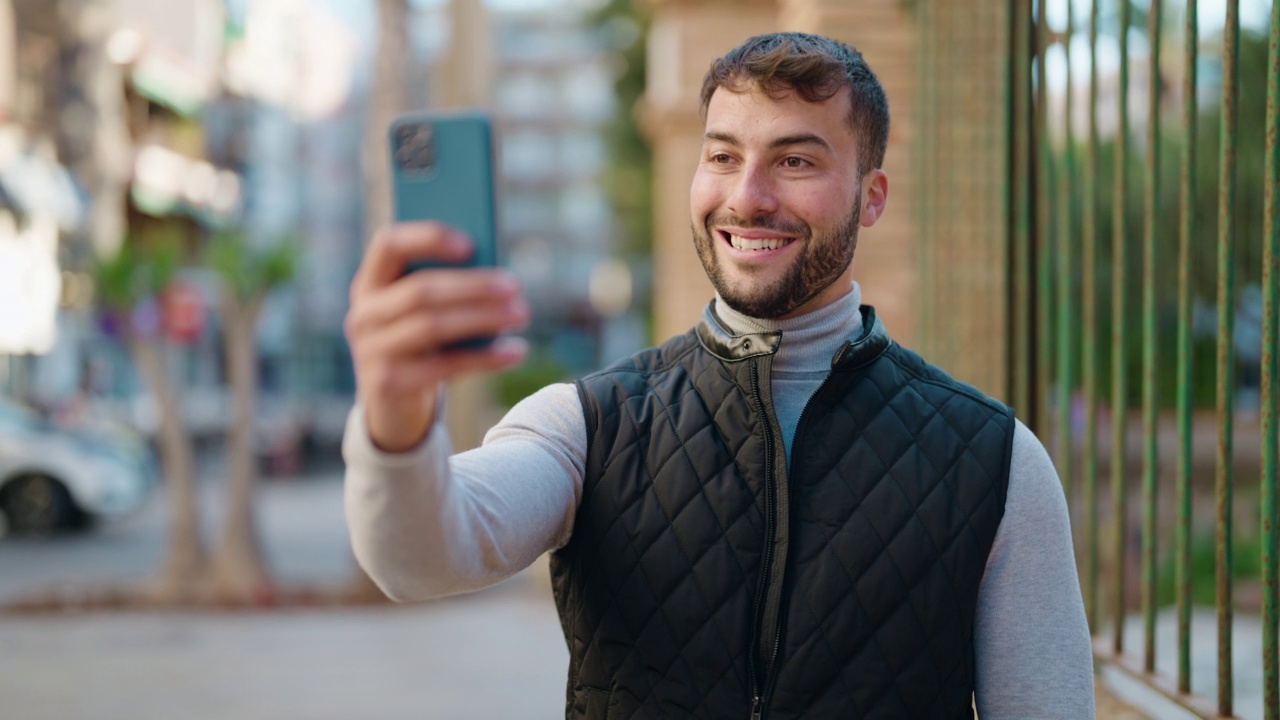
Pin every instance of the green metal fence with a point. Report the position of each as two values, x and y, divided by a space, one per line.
1112 251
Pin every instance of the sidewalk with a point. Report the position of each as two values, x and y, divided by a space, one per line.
494 654
498 654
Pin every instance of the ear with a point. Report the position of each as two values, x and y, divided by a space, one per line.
875 194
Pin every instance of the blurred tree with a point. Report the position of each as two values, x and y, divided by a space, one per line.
1204 263
628 179
391 57
248 275
131 285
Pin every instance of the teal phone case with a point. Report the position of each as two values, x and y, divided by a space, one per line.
442 169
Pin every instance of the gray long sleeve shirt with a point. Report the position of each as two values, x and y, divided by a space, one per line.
426 523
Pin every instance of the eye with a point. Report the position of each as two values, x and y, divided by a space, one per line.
795 163
721 158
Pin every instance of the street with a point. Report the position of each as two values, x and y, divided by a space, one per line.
498 653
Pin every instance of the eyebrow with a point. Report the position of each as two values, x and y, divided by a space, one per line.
784 141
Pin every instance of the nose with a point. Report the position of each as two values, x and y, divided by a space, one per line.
753 193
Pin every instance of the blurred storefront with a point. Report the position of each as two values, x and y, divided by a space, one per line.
155 121
125 120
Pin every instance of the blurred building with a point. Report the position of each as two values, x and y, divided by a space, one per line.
63 177
546 78
128 120
552 97
291 125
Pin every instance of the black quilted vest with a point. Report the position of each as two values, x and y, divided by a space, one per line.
707 579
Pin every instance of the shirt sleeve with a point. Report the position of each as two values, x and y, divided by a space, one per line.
425 524
1033 651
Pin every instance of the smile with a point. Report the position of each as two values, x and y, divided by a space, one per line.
744 243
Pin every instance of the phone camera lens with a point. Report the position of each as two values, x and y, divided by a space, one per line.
415 147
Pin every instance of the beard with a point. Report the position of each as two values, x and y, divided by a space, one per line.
822 260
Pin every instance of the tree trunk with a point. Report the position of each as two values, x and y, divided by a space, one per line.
240 574
8 60
183 573
387 101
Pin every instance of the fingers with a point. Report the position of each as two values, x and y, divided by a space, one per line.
415 331
433 291
502 354
395 246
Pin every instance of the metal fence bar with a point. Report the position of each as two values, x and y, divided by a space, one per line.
1024 229
1065 307
1021 236
925 165
1186 233
1151 340
948 174
1050 285
1089 344
1270 402
1043 261
1119 338
1226 353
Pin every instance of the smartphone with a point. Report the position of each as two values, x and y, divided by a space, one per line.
442 169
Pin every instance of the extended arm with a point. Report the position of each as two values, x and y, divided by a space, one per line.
424 524
1034 658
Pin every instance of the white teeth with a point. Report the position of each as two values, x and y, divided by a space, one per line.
742 243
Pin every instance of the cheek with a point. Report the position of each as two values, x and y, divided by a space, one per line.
704 196
827 206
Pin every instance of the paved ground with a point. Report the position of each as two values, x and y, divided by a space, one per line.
302 522
1246 651
494 654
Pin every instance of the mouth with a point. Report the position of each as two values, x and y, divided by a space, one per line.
756 244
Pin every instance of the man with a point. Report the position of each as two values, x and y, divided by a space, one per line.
779 514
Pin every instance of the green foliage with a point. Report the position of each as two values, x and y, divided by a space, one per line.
1247 213
249 271
138 271
1246 564
628 178
536 373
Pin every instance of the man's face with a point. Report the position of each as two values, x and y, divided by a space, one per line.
776 201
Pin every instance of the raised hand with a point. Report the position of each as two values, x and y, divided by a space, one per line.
400 327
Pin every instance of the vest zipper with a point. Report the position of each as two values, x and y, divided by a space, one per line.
772 667
758 673
804 415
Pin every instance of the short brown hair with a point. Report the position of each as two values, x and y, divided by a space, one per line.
815 68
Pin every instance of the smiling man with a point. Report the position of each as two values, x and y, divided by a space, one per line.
779 514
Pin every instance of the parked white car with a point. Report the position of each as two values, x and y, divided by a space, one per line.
56 478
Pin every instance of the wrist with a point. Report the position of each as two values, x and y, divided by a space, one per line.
398 430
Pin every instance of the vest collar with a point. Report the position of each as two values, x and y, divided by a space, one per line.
853 354
862 351
734 348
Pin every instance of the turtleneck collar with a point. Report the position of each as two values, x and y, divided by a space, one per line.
808 341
